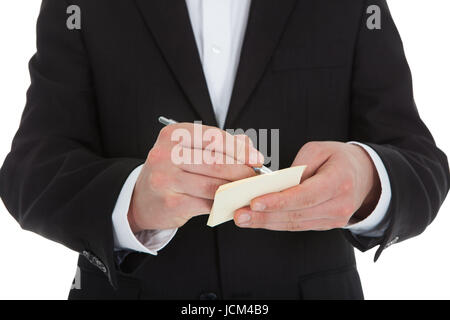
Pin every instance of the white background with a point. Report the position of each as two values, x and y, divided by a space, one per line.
34 268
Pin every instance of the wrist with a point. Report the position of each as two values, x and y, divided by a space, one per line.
369 204
373 188
132 221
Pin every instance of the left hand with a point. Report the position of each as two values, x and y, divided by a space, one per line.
339 183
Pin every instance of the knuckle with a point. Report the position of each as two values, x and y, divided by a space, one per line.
219 169
293 226
347 185
171 202
277 203
155 155
308 201
293 216
312 147
210 188
346 210
243 172
260 219
157 180
290 226
165 133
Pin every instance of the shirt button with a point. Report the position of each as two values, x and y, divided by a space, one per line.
216 49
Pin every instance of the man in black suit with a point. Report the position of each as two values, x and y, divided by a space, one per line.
90 167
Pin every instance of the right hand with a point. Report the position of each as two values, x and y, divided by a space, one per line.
167 195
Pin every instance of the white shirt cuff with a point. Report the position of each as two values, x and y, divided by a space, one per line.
372 226
149 241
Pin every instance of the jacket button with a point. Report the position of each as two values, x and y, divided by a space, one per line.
95 261
390 243
208 296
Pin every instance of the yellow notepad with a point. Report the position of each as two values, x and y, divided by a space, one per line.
232 196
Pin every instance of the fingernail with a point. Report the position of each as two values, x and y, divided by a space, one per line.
258 206
244 219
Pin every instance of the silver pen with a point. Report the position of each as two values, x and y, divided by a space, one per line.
165 121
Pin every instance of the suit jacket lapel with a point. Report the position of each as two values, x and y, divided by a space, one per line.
266 23
168 21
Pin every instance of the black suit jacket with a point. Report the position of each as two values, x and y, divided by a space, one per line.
91 118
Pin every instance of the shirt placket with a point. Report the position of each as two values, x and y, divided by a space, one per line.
216 53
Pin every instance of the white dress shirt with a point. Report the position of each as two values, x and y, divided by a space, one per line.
219 27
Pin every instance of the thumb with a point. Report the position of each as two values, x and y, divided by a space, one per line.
313 155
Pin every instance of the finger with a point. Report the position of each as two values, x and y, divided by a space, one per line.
245 139
338 209
311 225
220 169
199 186
197 136
311 192
313 155
243 145
183 155
187 206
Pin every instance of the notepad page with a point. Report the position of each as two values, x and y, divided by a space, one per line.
232 196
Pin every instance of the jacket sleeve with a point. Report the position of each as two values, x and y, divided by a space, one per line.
57 180
385 117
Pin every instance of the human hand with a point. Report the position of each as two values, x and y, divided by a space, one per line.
168 192
340 183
